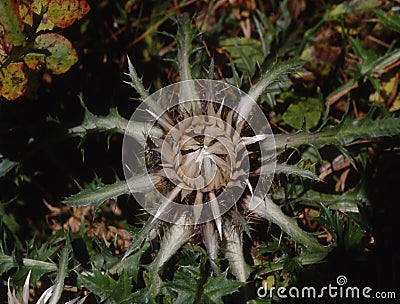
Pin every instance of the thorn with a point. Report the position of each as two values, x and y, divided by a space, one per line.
198 201
160 120
218 222
250 186
254 139
166 201
216 212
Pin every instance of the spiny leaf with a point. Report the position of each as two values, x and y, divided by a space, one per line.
136 83
342 134
7 262
107 288
95 197
295 170
346 202
305 258
275 74
268 210
216 288
175 238
185 284
184 39
114 123
234 251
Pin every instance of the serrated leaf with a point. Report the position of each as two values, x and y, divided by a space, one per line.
346 202
306 112
13 81
105 287
7 262
347 132
185 284
216 288
95 197
63 13
276 74
61 58
295 170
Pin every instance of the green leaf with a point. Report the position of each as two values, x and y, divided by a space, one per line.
216 288
342 134
306 112
265 208
113 123
351 7
185 284
109 290
177 235
372 63
295 170
64 13
6 166
95 197
7 262
13 80
184 38
348 201
61 273
390 21
62 55
276 74
10 22
246 53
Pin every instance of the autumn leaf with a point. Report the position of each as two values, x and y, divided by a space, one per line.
10 23
37 7
62 54
64 13
13 81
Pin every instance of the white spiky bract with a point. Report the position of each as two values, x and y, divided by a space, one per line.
44 298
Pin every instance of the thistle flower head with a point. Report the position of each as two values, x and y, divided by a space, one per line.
208 156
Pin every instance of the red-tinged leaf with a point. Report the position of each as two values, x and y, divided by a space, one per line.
10 23
63 13
13 81
26 13
62 54
37 7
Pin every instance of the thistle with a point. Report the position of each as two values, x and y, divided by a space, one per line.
199 156
209 160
